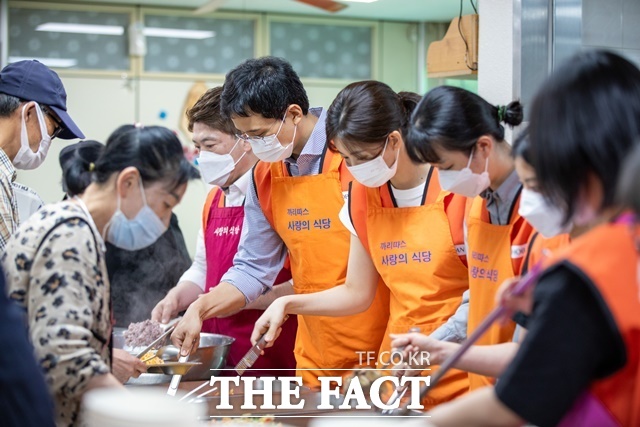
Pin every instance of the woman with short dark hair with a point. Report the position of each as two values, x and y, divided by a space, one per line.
55 263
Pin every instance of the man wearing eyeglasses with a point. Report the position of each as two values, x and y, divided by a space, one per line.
291 208
33 111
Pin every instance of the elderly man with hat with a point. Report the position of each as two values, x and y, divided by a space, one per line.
33 111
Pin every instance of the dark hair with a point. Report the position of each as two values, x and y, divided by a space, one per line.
77 162
367 112
154 150
207 111
629 186
454 119
522 147
8 104
265 86
584 121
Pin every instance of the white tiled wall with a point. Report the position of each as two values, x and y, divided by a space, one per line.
612 24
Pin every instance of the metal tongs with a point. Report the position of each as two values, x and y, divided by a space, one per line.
175 380
168 328
520 288
156 341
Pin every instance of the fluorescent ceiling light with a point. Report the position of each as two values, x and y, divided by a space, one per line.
49 62
115 30
177 33
62 27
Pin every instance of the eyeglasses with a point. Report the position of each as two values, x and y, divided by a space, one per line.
59 125
267 139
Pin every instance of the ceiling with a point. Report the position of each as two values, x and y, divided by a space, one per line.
388 10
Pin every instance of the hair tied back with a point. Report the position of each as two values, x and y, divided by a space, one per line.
502 112
92 167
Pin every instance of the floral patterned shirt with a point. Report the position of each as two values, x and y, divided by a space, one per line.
56 272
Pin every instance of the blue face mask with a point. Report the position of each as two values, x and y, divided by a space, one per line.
137 233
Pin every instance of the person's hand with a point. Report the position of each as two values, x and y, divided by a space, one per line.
125 366
421 351
514 303
186 336
166 309
270 323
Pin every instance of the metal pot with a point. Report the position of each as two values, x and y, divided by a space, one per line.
212 354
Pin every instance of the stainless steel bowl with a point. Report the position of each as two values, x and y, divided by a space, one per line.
212 354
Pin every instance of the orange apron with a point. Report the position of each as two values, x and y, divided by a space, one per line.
413 251
494 254
304 212
608 258
541 247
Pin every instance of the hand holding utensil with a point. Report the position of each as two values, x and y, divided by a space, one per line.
523 285
156 341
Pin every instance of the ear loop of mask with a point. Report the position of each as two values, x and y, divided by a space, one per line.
295 129
42 124
243 154
486 163
119 199
281 124
386 142
284 118
44 132
144 197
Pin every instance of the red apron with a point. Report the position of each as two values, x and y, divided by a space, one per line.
221 237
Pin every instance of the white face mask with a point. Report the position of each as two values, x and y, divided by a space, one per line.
375 173
216 168
545 218
26 158
269 149
465 182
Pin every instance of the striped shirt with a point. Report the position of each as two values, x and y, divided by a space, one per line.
261 253
9 219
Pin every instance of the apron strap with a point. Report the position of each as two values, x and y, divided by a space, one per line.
330 161
514 207
215 197
527 259
358 195
262 177
479 210
279 169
